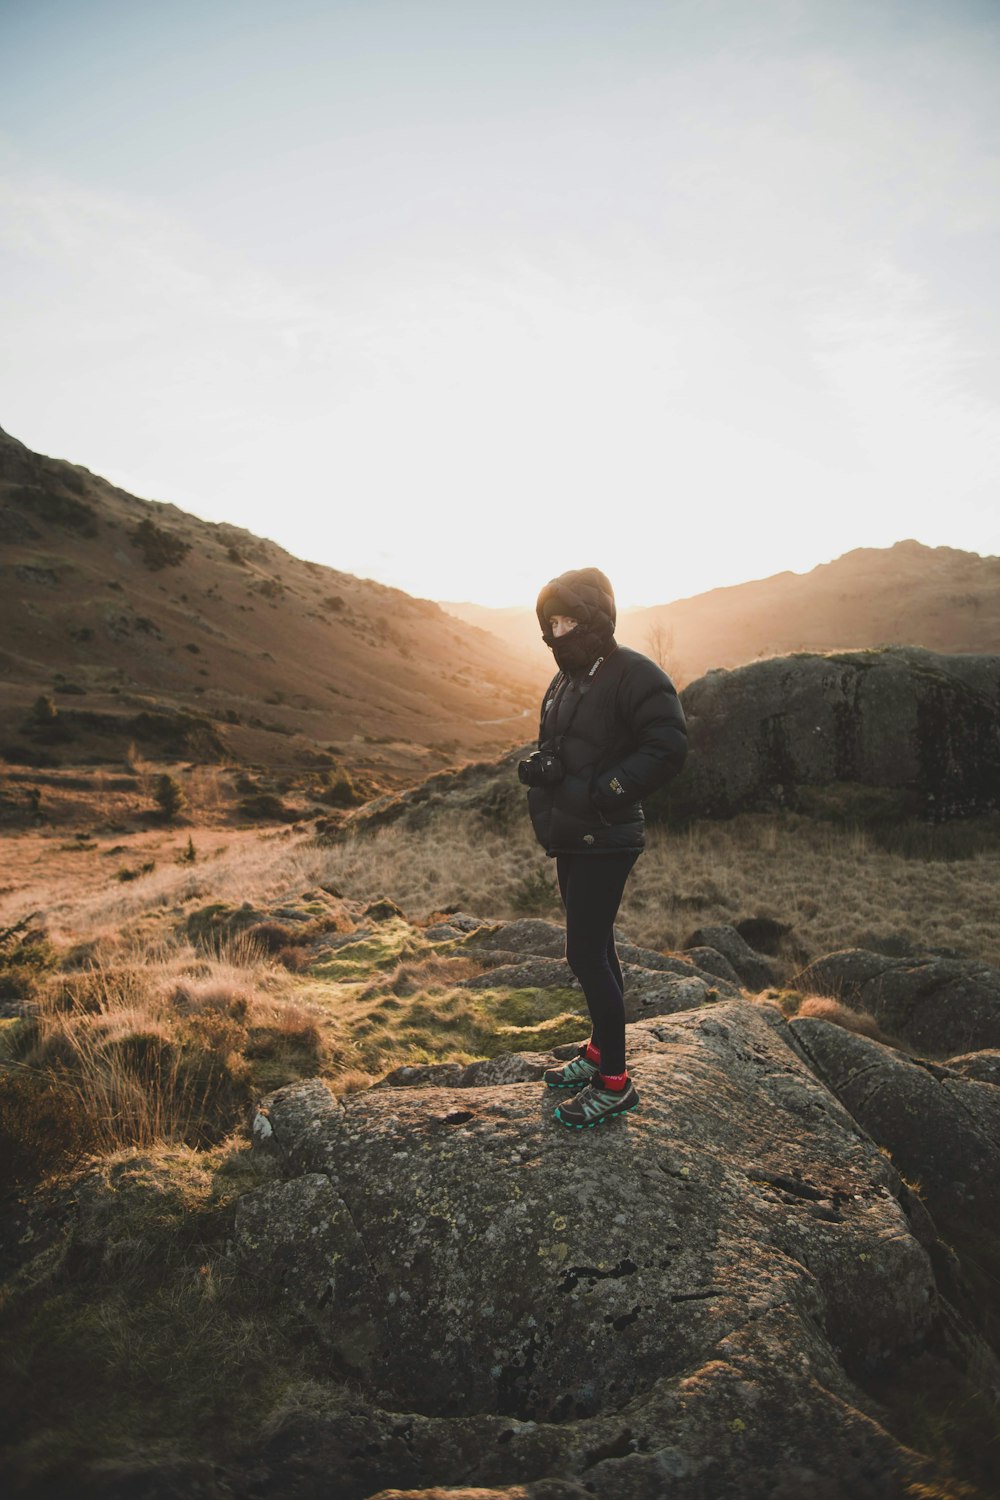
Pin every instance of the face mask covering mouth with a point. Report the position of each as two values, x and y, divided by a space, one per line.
578 648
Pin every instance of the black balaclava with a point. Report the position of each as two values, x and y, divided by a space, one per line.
586 595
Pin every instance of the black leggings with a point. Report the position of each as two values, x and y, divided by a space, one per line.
591 886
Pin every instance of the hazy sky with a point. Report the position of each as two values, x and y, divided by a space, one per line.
458 295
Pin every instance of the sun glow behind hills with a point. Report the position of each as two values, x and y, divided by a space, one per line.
456 298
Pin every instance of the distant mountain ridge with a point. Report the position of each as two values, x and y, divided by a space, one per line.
117 606
908 594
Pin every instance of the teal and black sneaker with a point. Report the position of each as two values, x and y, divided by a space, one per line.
594 1105
575 1074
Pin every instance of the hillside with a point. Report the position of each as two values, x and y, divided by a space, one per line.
908 594
145 623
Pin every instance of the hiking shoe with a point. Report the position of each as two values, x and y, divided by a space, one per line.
594 1105
575 1074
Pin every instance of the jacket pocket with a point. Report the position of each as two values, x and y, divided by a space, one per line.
573 814
572 796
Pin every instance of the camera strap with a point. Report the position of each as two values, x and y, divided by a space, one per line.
554 700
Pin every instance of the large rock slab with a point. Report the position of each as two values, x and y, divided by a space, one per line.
669 1304
942 1005
921 727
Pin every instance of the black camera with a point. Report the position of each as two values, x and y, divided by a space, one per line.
542 768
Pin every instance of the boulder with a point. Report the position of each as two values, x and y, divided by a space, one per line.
530 973
452 926
865 734
382 910
526 935
711 961
652 992
754 972
681 1303
941 1005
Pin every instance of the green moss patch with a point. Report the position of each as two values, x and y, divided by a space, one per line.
381 949
455 1025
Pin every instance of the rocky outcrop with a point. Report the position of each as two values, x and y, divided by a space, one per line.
699 1300
753 971
711 961
940 1005
548 940
942 1128
869 733
528 954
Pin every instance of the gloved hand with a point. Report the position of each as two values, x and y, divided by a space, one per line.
606 792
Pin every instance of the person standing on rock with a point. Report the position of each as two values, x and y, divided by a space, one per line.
611 731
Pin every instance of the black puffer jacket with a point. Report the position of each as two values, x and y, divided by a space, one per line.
620 734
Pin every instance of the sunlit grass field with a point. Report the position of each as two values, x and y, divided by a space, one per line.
163 1006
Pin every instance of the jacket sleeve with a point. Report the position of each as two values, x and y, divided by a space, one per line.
655 732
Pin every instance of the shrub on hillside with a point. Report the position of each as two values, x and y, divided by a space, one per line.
267 806
160 548
269 588
26 957
534 895
44 711
339 790
45 724
168 795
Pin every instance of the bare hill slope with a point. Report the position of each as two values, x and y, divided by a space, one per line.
122 608
908 595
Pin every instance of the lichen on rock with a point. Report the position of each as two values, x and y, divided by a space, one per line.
698 1295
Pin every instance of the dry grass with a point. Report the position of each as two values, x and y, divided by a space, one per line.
141 1048
824 1008
150 1040
80 897
835 887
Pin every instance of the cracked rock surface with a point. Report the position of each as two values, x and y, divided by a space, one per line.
693 1301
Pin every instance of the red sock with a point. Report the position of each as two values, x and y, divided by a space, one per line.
616 1082
593 1054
